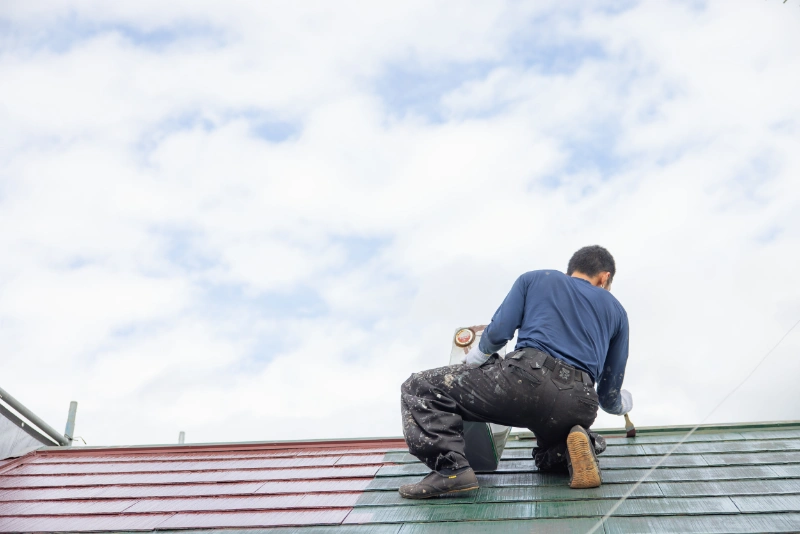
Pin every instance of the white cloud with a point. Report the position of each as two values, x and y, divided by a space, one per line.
173 270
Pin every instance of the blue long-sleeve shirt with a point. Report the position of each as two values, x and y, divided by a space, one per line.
571 320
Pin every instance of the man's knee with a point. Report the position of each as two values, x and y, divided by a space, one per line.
418 385
410 385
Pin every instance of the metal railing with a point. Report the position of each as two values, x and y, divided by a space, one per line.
38 422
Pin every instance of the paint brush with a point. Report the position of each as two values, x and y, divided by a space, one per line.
630 430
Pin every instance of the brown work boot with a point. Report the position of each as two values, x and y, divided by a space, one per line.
584 471
437 484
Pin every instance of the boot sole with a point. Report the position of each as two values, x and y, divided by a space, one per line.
585 471
432 495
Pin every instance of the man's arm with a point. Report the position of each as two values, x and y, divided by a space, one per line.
506 320
613 399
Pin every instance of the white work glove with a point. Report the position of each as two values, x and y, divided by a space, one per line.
475 358
627 401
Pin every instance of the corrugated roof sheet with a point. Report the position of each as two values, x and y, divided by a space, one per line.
739 479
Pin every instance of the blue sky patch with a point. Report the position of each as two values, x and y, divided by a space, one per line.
749 181
296 302
71 30
180 121
160 38
275 131
768 235
267 126
596 152
551 57
182 250
616 7
361 249
411 88
263 125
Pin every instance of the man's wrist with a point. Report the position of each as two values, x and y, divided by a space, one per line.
485 347
476 357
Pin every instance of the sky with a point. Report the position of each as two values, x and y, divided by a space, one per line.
252 221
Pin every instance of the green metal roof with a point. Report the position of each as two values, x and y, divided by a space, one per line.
725 478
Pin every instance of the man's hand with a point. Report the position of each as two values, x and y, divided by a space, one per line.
475 358
627 401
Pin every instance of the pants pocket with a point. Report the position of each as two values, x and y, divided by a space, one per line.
525 374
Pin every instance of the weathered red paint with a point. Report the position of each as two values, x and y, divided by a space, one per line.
204 486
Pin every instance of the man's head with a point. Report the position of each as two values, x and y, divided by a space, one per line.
595 264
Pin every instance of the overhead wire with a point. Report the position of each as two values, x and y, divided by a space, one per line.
658 464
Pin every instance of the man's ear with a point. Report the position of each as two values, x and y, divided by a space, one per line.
606 276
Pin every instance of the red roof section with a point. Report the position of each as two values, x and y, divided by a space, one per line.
189 486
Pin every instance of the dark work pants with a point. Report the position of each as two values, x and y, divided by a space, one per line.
516 391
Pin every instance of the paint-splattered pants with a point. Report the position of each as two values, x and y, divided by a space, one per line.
523 390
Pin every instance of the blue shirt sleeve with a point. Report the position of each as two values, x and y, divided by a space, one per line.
506 320
610 383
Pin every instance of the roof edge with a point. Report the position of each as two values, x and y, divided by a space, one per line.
389 442
681 429
350 443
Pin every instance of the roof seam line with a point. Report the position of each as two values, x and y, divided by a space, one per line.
129 507
735 505
155 527
255 491
342 522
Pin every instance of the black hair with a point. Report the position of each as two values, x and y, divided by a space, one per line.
592 260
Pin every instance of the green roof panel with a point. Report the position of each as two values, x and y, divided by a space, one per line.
564 493
768 503
730 487
788 457
550 526
737 479
728 524
690 474
547 509
773 434
786 470
675 438
726 447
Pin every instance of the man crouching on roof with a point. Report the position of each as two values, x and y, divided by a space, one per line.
572 334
